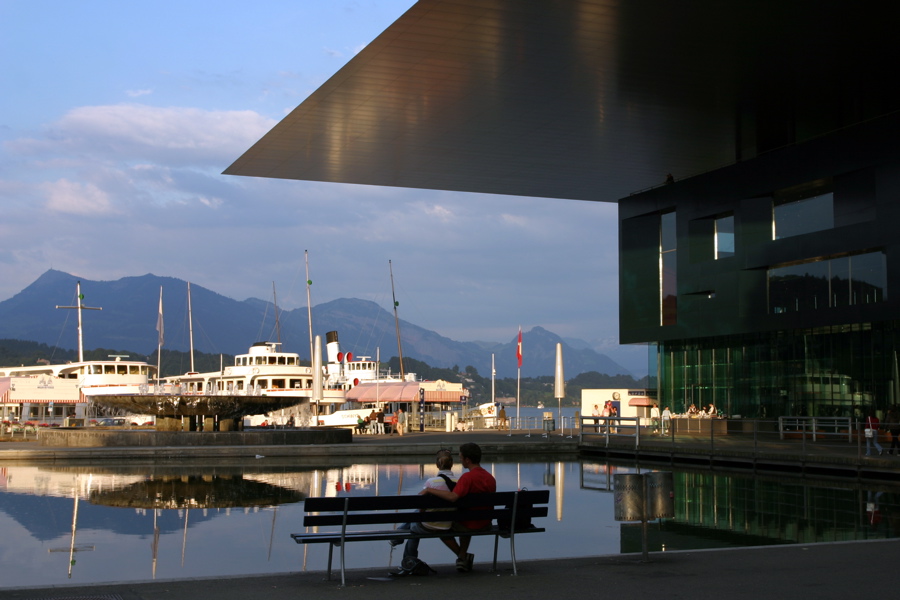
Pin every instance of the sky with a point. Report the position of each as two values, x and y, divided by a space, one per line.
118 118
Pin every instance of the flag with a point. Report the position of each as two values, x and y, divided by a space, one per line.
519 349
159 320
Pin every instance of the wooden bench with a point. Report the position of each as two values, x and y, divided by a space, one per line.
346 513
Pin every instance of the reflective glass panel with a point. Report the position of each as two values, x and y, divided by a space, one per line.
804 216
725 237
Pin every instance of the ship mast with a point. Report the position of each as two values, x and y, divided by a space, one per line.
191 327
80 307
277 323
396 319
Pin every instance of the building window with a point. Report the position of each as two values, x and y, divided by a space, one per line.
724 236
828 283
668 269
802 209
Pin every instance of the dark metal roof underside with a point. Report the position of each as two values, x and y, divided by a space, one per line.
584 99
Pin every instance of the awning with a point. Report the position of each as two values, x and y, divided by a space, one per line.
640 401
399 391
445 396
46 401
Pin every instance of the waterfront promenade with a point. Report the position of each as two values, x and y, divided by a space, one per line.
825 570
759 451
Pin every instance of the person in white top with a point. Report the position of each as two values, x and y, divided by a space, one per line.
445 480
666 420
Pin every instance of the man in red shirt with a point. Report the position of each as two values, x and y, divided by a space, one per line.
473 481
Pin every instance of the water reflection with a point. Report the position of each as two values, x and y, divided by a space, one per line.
196 491
195 520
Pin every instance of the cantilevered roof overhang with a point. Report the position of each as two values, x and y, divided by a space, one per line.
585 99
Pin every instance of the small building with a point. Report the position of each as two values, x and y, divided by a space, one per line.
628 402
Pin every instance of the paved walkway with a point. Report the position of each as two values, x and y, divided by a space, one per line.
820 572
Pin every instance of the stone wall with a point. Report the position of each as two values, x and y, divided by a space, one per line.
91 438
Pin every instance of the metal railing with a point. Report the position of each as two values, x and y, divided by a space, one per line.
807 436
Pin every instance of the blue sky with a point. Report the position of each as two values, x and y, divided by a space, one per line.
117 119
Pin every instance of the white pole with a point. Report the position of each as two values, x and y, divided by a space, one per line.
317 374
309 306
161 330
191 327
560 384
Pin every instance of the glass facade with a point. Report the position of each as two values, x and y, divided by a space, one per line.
724 236
796 217
842 281
829 371
668 270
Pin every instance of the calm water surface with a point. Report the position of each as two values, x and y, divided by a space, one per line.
86 524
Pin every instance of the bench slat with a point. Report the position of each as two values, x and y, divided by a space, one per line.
334 537
361 503
419 517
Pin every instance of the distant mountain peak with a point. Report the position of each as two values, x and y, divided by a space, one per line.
224 325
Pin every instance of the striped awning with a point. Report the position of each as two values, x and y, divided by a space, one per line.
445 396
47 401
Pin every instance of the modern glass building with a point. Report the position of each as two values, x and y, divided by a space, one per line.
764 273
766 286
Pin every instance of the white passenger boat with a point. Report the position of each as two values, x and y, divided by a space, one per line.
51 393
265 370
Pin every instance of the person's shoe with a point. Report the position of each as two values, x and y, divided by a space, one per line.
464 565
880 452
400 573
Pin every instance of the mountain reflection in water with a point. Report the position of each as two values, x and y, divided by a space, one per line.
170 521
196 491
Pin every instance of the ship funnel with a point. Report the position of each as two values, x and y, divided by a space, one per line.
332 347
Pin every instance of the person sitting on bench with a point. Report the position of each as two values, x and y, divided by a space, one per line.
445 480
475 480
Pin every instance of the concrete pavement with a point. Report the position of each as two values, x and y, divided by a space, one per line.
821 572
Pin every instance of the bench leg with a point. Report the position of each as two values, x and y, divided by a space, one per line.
496 541
330 554
512 551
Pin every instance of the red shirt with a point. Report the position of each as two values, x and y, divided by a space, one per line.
473 481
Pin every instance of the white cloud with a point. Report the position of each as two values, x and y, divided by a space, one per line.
174 135
441 213
76 198
137 93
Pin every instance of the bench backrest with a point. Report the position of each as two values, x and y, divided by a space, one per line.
367 510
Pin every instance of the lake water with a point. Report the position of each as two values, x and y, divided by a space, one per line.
85 524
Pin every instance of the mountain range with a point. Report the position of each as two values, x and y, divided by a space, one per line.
130 310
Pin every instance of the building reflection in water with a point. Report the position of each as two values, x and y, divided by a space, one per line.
201 520
718 510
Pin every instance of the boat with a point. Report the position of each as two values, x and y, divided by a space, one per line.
54 393
369 389
265 370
